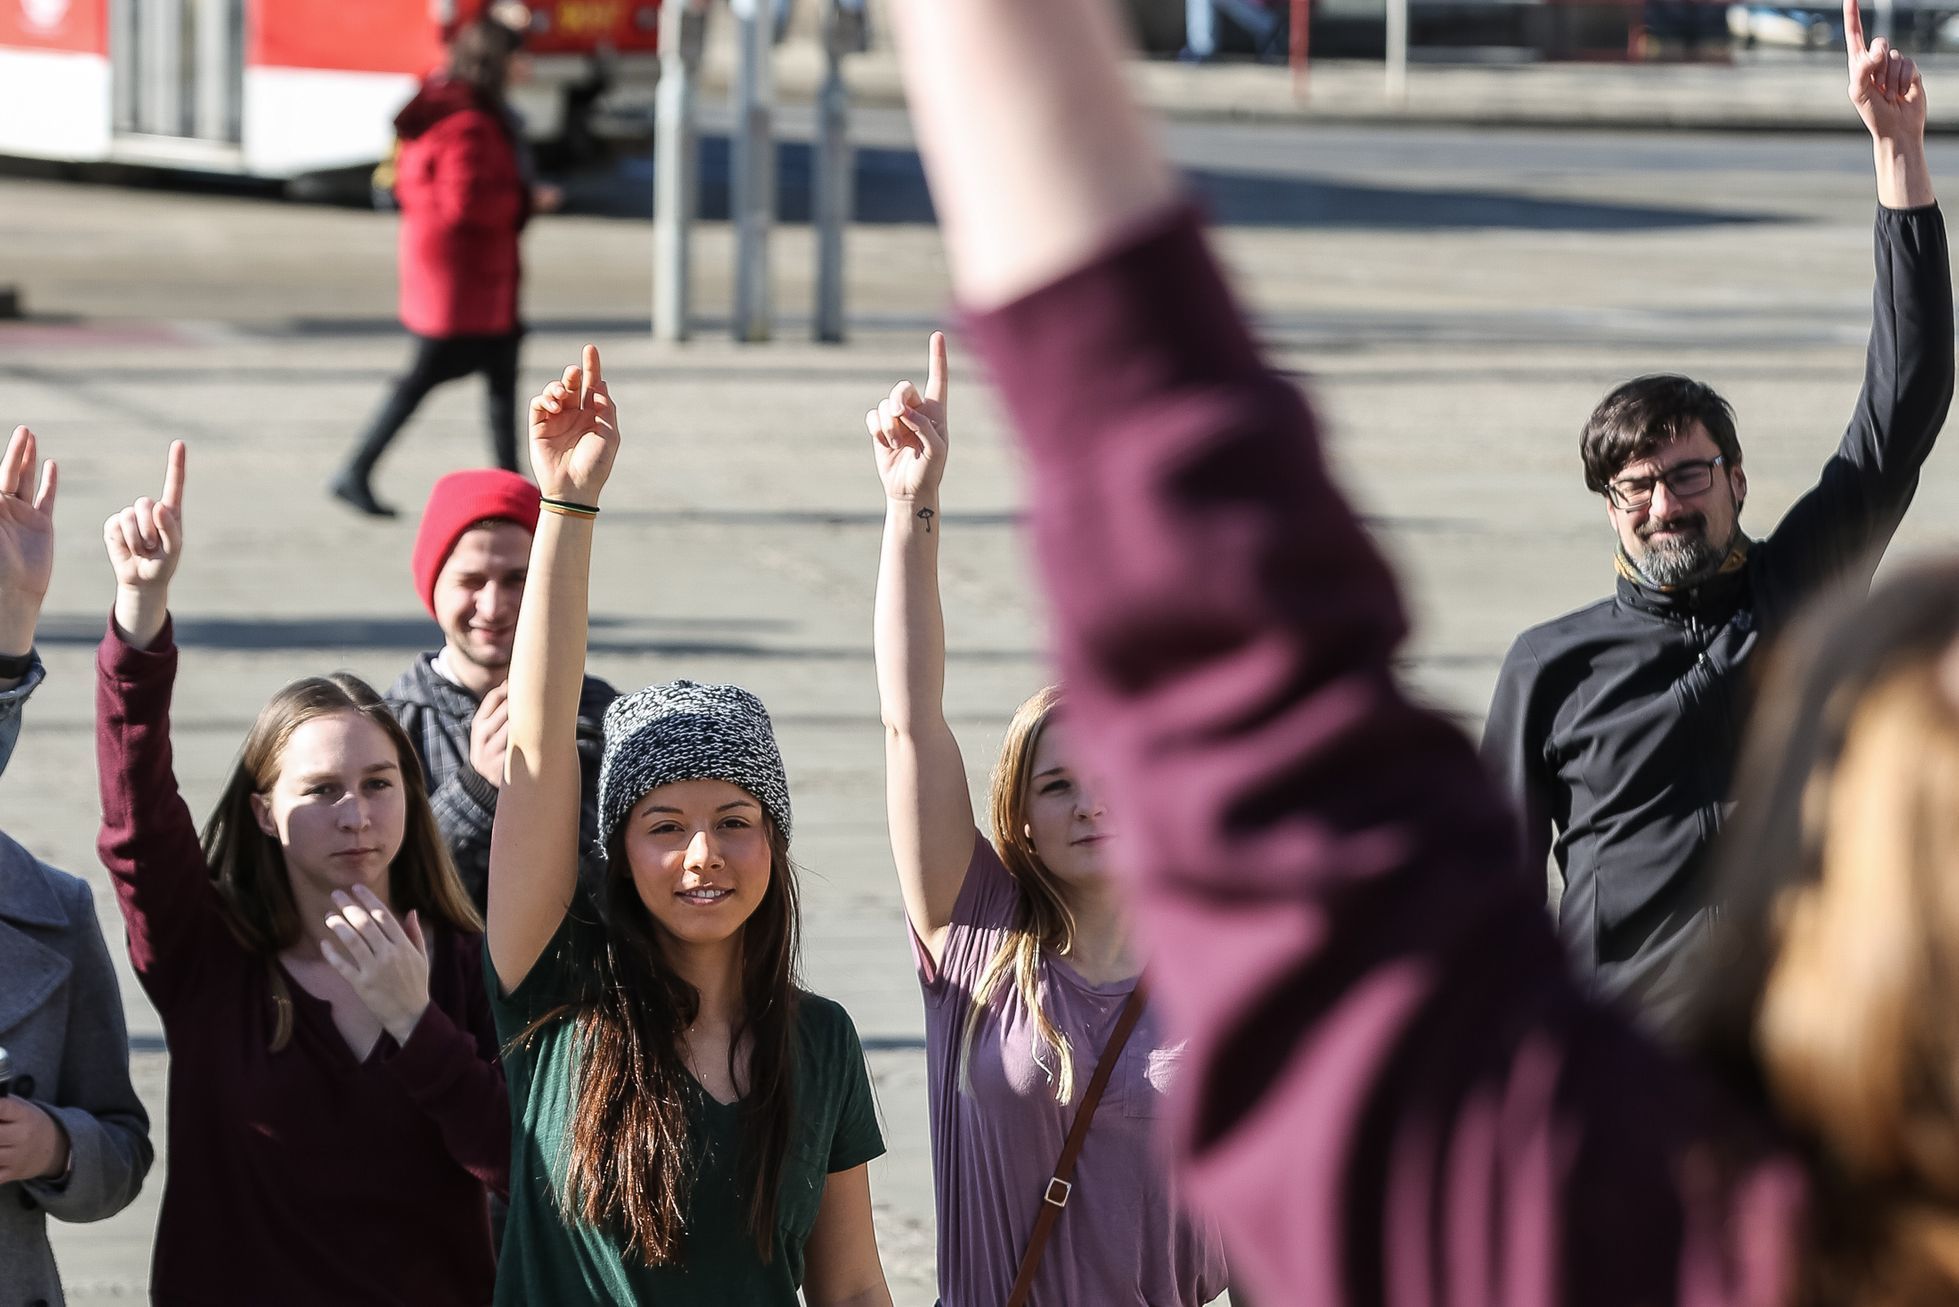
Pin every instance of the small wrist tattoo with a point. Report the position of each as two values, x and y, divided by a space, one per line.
926 515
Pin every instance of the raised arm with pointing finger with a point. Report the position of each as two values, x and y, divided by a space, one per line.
1615 727
1394 1091
694 1126
317 967
534 846
927 806
1023 950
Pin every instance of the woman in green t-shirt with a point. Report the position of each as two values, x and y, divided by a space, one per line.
691 1126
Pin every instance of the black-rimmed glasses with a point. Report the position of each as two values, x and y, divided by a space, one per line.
1683 481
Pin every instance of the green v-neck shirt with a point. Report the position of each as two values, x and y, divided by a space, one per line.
548 1257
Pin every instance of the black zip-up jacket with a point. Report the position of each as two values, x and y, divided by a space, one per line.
1618 725
437 714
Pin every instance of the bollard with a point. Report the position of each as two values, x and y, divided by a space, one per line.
754 168
676 167
834 183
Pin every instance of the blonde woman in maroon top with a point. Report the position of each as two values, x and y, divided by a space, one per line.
337 1111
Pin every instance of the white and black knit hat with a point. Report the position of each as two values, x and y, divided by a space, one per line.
684 731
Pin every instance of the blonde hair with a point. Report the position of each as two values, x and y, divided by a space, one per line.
1045 920
1832 993
1859 1024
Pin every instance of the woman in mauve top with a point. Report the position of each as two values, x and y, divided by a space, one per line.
1394 1092
1023 951
337 1112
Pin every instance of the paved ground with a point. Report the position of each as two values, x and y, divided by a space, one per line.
1458 299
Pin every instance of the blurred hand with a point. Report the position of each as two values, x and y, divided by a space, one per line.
546 198
909 433
33 1146
1884 85
489 734
384 959
574 434
26 541
146 543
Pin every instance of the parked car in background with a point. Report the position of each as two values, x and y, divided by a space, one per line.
1751 25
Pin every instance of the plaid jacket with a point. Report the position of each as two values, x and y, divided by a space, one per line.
437 714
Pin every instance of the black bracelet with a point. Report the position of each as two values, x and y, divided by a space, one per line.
14 666
567 508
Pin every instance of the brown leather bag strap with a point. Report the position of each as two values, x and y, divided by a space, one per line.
1061 1185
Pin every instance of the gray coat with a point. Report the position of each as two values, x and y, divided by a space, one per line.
61 1022
11 702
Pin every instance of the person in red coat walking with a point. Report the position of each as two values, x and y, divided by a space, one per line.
464 194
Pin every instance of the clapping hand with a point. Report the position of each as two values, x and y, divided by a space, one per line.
1884 85
384 959
146 542
26 541
910 437
574 434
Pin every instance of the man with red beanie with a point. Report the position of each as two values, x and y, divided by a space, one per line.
470 560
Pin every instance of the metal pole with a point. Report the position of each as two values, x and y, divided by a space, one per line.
754 169
834 184
1397 51
676 168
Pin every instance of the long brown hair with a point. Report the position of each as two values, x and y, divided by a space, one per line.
1833 997
629 1151
249 869
1046 921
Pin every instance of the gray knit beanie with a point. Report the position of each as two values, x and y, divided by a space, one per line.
684 731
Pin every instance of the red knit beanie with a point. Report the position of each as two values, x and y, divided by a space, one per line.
458 502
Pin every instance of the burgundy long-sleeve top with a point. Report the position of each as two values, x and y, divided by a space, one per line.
304 1176
1396 1094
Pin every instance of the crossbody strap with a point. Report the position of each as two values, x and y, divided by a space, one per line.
1061 1184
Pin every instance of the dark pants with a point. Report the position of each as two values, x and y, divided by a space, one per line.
445 359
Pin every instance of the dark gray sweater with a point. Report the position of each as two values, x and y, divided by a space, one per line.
436 713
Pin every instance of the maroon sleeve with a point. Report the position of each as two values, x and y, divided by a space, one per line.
450 1067
1397 1094
149 841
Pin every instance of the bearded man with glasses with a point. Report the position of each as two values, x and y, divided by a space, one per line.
1615 727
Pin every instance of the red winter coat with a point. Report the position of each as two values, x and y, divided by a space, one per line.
463 201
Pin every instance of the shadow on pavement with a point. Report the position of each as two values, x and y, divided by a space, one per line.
891 189
410 636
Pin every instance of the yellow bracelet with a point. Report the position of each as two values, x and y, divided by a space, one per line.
565 509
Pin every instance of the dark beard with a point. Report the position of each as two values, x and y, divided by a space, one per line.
1683 560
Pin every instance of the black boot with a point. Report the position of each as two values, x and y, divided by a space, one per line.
350 487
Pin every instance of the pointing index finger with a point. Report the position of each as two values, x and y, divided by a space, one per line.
173 478
593 378
936 379
1853 31
19 458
